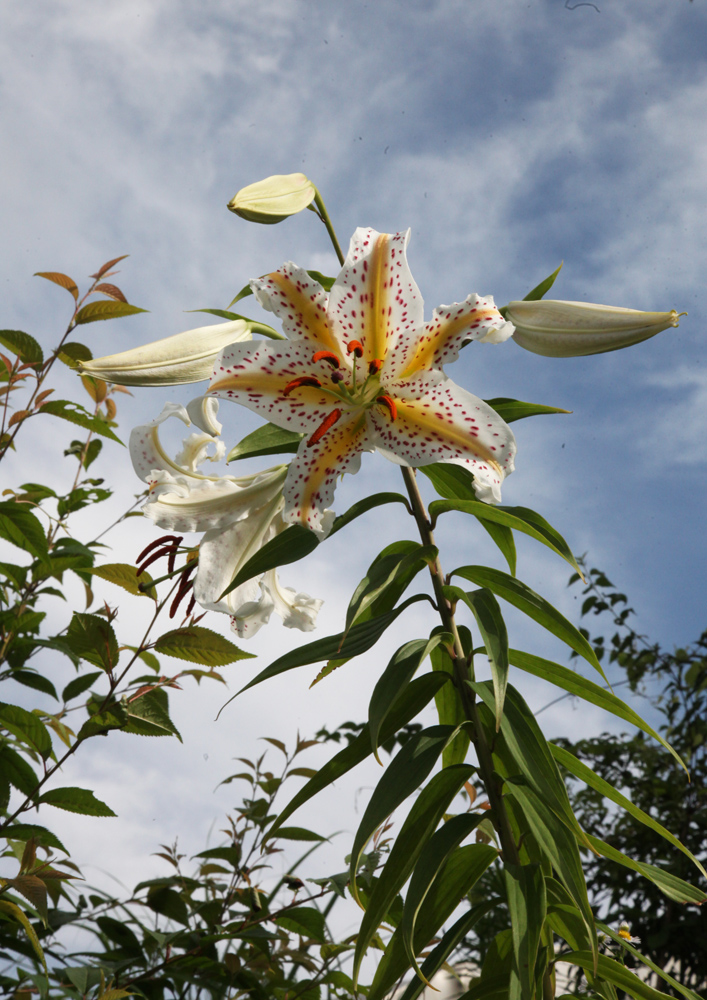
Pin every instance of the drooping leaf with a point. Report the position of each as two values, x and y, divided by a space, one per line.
616 973
23 345
527 905
387 577
420 824
450 711
125 575
678 987
200 645
519 518
462 869
291 545
492 627
533 605
93 639
299 833
363 506
412 700
36 681
408 769
17 771
60 279
16 913
397 675
76 800
672 886
22 528
591 778
577 685
27 727
105 310
77 414
266 440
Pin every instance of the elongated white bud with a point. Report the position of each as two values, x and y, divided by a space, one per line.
573 329
185 357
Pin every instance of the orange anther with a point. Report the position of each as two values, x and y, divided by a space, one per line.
389 404
302 380
324 427
374 366
327 356
355 347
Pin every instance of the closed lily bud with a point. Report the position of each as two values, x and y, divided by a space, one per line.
274 199
573 329
184 357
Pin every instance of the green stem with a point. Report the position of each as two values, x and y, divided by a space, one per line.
463 671
324 216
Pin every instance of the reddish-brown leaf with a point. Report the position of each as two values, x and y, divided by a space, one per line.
41 397
95 387
6 361
16 418
111 409
60 279
112 291
106 267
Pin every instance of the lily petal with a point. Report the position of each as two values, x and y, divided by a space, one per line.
296 610
437 421
146 449
375 298
195 451
184 357
202 411
299 302
440 340
574 329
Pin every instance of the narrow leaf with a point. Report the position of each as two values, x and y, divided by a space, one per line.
266 440
527 904
616 973
533 605
78 685
363 506
687 993
108 265
291 545
387 577
515 409
544 287
450 711
487 613
105 310
672 886
14 911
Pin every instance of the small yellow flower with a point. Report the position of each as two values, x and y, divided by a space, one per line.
624 933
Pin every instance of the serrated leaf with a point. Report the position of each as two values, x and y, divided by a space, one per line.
112 291
34 680
515 409
125 575
580 686
20 527
519 518
92 638
23 345
200 645
77 414
78 685
105 310
408 769
266 440
589 777
17 771
76 800
72 352
27 727
544 287
60 279
420 824
413 699
148 716
23 832
534 606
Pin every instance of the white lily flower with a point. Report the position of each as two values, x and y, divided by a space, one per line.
274 198
184 357
238 515
574 329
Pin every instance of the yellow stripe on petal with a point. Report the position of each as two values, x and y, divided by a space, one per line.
424 424
300 302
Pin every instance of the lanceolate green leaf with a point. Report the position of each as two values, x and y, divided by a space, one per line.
434 858
573 682
404 774
357 640
672 886
455 879
520 518
589 777
412 700
23 345
266 440
396 676
487 613
616 973
536 607
543 288
291 545
387 578
687 993
363 506
428 809
516 409
527 905
450 710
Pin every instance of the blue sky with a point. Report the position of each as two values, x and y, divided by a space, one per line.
509 136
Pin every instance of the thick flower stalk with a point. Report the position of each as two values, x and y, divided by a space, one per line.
362 371
573 329
237 514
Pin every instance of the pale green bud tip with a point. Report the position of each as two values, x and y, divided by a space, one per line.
185 357
274 199
573 329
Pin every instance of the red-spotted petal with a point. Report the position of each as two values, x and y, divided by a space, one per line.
437 421
311 480
375 299
299 302
440 340
260 376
